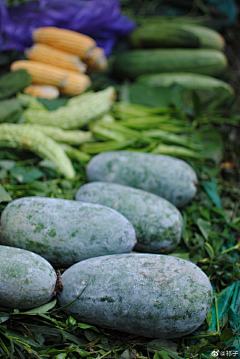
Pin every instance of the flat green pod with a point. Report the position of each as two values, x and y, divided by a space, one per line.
165 176
156 221
26 279
151 295
64 231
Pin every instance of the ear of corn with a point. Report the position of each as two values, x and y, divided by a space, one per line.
66 40
26 137
69 82
52 56
70 117
42 91
97 61
75 84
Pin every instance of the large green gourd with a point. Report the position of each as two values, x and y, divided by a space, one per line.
168 177
26 279
151 295
63 231
156 221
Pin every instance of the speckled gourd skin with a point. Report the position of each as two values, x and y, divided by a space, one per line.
26 279
152 295
156 221
168 177
64 231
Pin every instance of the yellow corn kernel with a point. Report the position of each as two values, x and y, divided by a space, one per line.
66 40
69 82
97 61
52 56
75 84
41 73
42 91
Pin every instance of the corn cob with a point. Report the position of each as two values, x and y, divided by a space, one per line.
24 136
52 56
66 40
70 82
76 137
76 84
97 61
70 117
42 91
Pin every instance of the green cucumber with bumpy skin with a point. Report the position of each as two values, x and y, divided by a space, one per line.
26 279
168 177
157 222
151 295
64 231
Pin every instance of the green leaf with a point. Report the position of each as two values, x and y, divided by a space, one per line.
204 227
4 317
226 335
4 196
42 309
212 143
161 355
7 164
211 189
164 344
172 355
81 352
61 356
23 175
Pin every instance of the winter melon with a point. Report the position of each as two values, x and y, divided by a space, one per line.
26 279
151 295
64 231
157 222
168 177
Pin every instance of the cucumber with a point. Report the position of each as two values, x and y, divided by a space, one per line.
131 64
151 295
175 34
156 221
64 231
168 177
26 279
